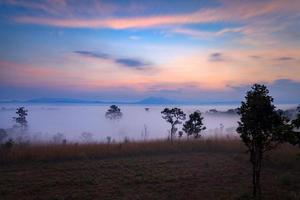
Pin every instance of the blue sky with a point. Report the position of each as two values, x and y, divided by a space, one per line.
128 50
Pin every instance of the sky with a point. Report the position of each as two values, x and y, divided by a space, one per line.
125 50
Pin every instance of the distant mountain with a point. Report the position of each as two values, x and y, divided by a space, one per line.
11 101
52 100
149 101
157 101
60 100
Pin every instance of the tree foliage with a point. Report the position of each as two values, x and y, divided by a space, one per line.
174 116
194 125
261 128
113 113
21 118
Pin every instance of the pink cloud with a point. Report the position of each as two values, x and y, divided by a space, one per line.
24 74
228 12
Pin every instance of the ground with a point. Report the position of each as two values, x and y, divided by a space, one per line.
194 174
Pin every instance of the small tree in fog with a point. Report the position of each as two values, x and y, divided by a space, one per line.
21 118
108 139
113 113
86 137
180 134
261 128
59 138
145 133
194 125
173 116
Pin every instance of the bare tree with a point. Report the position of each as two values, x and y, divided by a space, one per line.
174 116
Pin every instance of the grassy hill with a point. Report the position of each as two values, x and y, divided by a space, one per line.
195 169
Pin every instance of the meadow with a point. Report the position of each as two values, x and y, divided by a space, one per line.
210 168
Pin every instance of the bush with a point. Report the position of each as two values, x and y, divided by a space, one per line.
8 145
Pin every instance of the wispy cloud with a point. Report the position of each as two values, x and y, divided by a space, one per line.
206 34
134 37
131 63
65 8
229 11
285 58
216 57
93 54
256 57
257 23
236 42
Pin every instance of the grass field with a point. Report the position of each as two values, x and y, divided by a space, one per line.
202 169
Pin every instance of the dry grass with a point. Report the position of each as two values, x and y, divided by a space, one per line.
51 151
216 168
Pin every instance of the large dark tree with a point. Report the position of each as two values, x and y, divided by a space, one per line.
194 125
173 116
113 113
261 128
21 118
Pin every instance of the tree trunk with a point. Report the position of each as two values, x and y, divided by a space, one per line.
252 159
258 174
172 130
256 158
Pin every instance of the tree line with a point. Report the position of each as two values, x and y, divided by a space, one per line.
261 127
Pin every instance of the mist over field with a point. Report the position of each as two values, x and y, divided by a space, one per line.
72 121
150 99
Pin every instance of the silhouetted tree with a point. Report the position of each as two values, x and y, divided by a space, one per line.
173 116
261 128
113 113
21 119
180 134
194 125
108 139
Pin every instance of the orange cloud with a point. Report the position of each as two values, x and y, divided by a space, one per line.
89 73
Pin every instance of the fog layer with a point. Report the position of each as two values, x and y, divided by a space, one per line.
79 123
